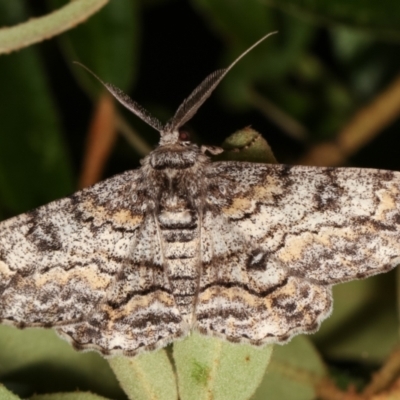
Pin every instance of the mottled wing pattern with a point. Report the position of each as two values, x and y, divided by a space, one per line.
275 238
84 265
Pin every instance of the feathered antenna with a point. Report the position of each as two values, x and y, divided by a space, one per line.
189 106
127 102
199 95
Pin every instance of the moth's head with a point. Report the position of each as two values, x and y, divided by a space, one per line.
177 136
171 133
175 152
169 137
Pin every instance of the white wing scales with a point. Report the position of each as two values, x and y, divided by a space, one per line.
285 235
81 265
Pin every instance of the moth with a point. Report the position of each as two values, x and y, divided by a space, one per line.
242 251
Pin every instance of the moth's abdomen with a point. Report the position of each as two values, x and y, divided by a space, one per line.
177 220
180 236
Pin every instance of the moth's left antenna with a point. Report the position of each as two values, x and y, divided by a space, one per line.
199 95
127 102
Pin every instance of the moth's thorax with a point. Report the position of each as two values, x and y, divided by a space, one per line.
181 155
173 170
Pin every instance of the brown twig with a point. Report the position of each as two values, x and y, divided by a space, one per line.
101 137
362 128
393 393
327 390
385 376
132 137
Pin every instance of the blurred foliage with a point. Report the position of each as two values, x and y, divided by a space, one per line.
299 88
380 18
292 373
30 141
110 44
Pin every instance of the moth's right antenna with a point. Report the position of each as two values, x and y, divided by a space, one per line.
127 102
199 95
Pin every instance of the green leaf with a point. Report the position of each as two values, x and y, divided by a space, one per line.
381 17
34 167
68 396
107 44
44 362
6 395
247 145
294 370
148 376
212 368
38 29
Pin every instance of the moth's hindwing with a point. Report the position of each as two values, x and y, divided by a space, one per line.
277 238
